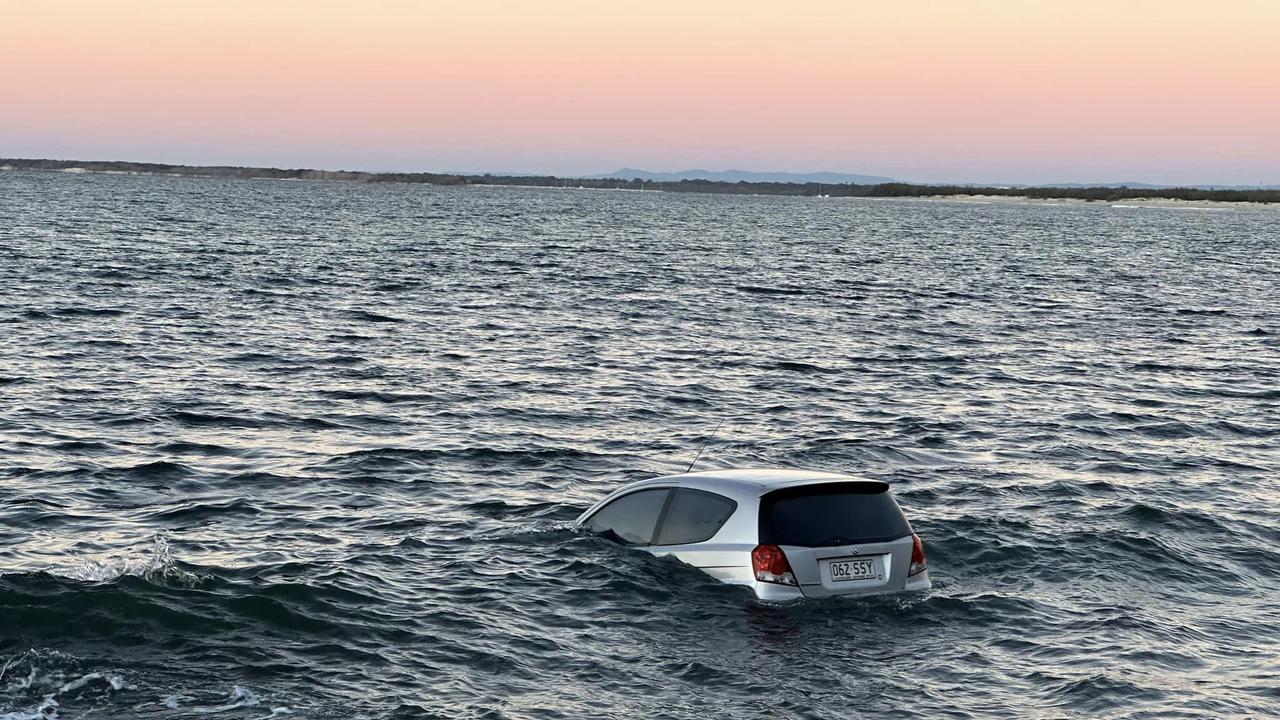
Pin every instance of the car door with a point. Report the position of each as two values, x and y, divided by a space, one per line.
687 530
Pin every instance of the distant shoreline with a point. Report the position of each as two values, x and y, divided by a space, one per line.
1146 200
967 193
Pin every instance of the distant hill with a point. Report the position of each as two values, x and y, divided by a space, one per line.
825 188
828 178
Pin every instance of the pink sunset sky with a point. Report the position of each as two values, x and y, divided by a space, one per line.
984 91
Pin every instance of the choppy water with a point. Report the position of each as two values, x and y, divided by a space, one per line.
311 450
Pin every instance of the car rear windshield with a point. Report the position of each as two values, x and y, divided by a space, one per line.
831 514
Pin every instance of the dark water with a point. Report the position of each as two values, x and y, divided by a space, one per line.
312 450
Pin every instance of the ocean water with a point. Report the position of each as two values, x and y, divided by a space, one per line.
312 450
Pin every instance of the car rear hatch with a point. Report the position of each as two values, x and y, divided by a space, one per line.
840 538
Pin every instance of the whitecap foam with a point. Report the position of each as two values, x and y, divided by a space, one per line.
241 697
173 702
155 560
115 682
46 710
48 675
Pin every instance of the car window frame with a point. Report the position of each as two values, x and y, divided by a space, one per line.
666 509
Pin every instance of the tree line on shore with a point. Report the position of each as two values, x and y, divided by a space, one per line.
896 189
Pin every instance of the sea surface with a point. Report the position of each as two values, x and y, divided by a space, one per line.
313 450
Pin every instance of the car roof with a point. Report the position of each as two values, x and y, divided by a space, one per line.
740 484
760 479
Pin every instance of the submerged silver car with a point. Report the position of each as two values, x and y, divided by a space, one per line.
786 534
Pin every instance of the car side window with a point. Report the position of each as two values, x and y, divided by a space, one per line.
694 516
630 519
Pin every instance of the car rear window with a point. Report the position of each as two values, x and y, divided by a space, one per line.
831 514
693 516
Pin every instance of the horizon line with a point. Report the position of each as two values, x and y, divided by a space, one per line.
604 175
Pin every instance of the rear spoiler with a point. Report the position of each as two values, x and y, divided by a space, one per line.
829 487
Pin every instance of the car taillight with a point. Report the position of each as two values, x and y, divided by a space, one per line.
771 566
917 557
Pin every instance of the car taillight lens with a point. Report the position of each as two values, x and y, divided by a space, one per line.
771 566
918 564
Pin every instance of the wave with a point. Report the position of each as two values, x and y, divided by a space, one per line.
397 458
42 684
772 290
371 317
38 679
153 561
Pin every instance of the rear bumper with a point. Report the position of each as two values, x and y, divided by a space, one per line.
773 592
918 582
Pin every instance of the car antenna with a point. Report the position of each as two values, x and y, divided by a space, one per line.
704 445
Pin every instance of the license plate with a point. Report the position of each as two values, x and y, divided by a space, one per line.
856 569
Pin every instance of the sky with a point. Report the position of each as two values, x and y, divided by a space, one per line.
981 91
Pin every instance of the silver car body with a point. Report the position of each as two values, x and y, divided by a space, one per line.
726 555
